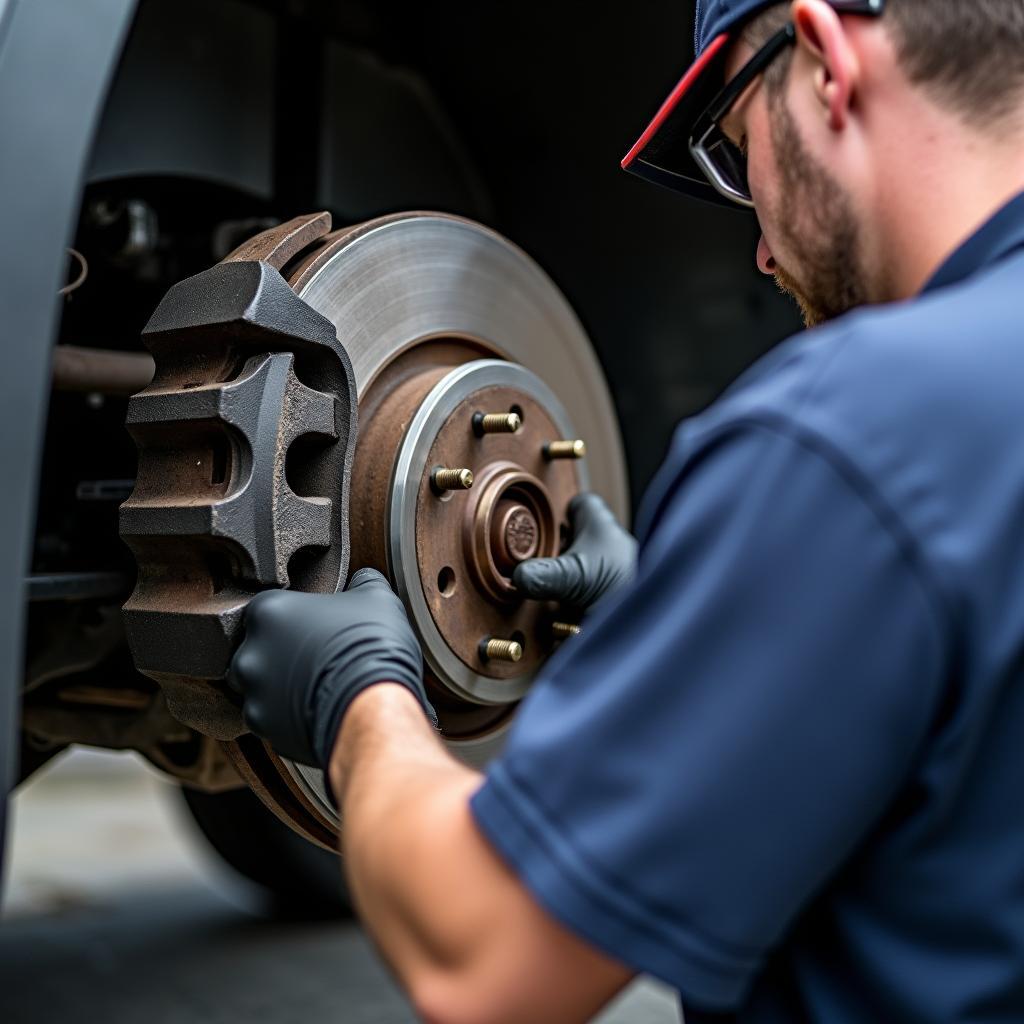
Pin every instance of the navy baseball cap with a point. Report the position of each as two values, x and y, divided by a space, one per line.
662 154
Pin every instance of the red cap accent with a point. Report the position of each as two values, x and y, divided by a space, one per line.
696 70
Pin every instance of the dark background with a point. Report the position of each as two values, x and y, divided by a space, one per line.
514 114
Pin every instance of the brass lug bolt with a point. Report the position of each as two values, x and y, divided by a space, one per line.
564 630
565 450
443 479
496 423
500 650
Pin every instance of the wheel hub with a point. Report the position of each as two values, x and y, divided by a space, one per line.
453 553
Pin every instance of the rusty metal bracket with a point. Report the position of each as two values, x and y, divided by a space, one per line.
246 438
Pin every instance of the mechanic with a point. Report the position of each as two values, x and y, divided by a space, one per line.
782 767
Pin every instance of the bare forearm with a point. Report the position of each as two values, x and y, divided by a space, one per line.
398 791
462 934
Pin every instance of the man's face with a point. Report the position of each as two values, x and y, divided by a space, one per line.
811 240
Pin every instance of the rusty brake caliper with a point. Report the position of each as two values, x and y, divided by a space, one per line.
246 438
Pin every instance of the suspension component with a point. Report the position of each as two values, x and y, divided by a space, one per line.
100 370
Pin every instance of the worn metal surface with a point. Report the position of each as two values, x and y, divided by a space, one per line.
294 793
454 550
398 281
387 406
415 296
222 506
246 439
281 244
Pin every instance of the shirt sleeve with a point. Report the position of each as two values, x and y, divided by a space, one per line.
694 767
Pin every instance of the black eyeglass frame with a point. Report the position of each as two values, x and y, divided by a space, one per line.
709 122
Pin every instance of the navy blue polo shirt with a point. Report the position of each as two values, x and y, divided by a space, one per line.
783 770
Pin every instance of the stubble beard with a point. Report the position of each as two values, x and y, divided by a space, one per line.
816 220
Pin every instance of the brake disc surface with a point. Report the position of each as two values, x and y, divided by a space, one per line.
392 283
401 289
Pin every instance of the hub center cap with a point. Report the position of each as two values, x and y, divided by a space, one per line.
518 535
510 518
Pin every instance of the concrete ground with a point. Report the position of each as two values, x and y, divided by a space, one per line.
115 911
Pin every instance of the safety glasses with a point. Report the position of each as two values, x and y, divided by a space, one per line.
685 148
722 161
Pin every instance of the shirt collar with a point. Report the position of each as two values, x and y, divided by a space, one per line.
996 238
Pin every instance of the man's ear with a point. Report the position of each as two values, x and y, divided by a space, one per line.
820 34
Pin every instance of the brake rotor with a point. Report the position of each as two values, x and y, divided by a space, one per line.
446 322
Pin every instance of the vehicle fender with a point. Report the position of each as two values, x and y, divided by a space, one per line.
57 58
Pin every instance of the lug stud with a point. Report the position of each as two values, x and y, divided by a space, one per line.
564 630
565 450
496 423
443 479
500 650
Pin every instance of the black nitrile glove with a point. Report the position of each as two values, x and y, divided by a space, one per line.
307 656
602 557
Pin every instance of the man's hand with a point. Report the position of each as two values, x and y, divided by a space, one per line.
307 656
602 557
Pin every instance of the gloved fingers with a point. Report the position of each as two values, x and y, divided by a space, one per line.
581 503
252 715
266 609
262 614
244 666
548 579
377 591
588 511
367 578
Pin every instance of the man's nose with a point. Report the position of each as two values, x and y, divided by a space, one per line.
765 259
